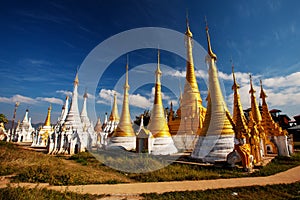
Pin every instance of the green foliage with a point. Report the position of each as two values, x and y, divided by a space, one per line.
3 119
280 191
22 193
279 164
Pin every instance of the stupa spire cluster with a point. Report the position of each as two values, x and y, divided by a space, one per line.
211 133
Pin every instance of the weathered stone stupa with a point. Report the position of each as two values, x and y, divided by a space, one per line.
163 143
24 130
191 112
216 139
124 135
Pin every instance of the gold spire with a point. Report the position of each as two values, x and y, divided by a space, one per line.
209 49
85 94
124 128
254 107
114 116
188 31
76 81
239 119
190 70
217 109
48 118
267 120
157 124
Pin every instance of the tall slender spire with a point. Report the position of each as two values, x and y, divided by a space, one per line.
157 124
124 128
48 118
239 119
209 49
254 107
114 115
217 127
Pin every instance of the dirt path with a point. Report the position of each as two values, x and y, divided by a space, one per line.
133 189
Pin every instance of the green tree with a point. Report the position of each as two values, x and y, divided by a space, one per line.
3 119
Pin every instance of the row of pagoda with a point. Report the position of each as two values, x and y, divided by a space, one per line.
210 134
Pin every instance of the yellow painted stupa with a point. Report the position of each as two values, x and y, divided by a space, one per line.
188 123
216 138
163 143
273 131
242 133
256 115
42 137
124 135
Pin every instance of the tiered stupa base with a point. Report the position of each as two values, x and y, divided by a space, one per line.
185 142
163 146
127 143
213 148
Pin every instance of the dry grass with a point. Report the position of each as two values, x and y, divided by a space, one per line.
30 166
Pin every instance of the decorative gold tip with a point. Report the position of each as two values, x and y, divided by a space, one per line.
251 91
48 118
209 49
262 92
235 85
76 81
85 94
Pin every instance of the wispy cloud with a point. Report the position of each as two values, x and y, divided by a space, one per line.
29 100
19 98
64 92
52 100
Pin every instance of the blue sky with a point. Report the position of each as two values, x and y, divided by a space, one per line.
44 42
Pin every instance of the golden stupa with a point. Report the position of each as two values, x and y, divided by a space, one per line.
273 131
256 115
157 124
124 128
123 135
163 143
186 126
242 133
216 139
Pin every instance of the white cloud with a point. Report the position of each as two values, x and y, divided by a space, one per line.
64 92
19 98
52 100
139 101
29 100
281 81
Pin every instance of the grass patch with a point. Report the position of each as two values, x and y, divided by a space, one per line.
41 194
36 167
279 164
180 172
84 168
280 191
